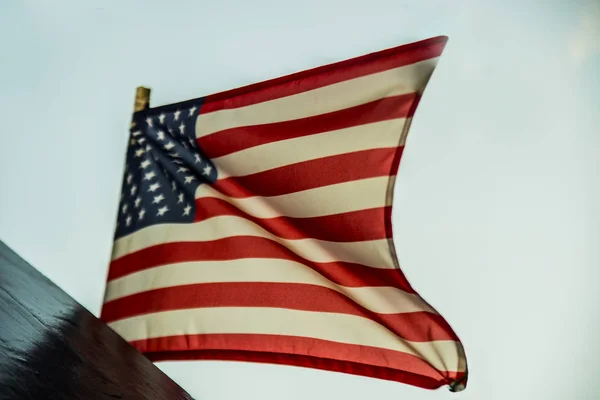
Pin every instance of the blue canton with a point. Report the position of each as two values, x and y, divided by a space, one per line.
164 168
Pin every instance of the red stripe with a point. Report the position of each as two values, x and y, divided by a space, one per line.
368 224
235 139
239 247
414 326
300 351
313 173
325 75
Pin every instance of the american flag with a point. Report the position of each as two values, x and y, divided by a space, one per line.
255 225
163 170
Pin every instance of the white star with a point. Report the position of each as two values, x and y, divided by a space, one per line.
133 190
161 118
197 158
175 155
180 198
191 142
162 211
138 200
182 169
154 187
139 153
206 170
132 142
148 147
158 199
177 115
129 178
177 161
174 186
186 210
149 175
160 135
149 121
189 179
124 209
182 128
141 140
192 111
185 145
145 164
128 220
169 145
136 133
141 214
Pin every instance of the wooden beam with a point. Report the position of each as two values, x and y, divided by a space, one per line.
53 348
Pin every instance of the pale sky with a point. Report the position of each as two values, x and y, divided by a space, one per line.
496 218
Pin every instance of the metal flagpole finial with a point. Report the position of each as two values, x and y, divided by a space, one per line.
142 98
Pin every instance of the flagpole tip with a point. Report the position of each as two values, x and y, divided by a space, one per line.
142 98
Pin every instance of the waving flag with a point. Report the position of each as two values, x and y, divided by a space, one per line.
255 225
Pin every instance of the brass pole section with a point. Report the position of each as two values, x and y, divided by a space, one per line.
142 99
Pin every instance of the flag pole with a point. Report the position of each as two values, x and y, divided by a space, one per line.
142 98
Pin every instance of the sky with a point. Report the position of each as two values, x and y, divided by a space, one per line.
495 215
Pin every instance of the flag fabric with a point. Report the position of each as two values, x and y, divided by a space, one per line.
255 225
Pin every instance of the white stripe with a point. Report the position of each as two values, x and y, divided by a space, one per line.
403 80
383 134
374 253
383 300
341 328
324 200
